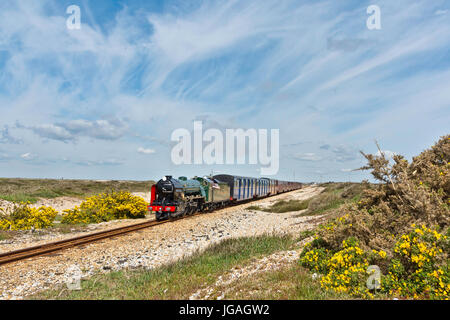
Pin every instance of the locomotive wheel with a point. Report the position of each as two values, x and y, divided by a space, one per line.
159 216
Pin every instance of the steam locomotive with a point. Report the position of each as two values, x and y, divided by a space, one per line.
172 198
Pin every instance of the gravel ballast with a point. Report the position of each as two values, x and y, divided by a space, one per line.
152 247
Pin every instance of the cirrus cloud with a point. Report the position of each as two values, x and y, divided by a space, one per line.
145 151
29 156
132 74
74 129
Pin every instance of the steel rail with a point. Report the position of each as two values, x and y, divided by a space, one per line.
51 247
47 248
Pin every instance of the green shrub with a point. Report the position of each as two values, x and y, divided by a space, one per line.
105 207
287 206
23 217
382 227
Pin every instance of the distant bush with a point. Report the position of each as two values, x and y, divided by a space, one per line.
324 201
288 206
250 208
282 206
24 217
383 225
335 195
105 207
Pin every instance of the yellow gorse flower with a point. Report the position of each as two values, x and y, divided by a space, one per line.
24 217
105 207
417 267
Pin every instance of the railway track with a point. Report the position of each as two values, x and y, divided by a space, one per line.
51 247
48 248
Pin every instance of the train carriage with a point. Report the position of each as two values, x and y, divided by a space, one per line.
244 188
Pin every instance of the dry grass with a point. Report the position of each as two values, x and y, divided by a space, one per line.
282 206
5 235
178 280
181 279
335 195
68 228
290 283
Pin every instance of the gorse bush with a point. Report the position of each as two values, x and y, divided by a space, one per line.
401 226
24 217
346 270
420 265
106 206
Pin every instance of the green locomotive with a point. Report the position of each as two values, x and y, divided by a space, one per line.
172 198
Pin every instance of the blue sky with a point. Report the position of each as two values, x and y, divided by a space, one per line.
101 102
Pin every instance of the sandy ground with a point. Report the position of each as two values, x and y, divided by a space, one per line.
31 238
63 203
224 283
152 247
59 204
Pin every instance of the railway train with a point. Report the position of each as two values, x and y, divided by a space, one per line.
172 198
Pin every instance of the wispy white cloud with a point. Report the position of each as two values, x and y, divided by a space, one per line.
52 131
7 138
99 129
29 156
309 156
74 129
440 12
129 77
145 150
105 162
4 156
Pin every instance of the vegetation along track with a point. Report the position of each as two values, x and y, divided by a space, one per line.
51 247
47 248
